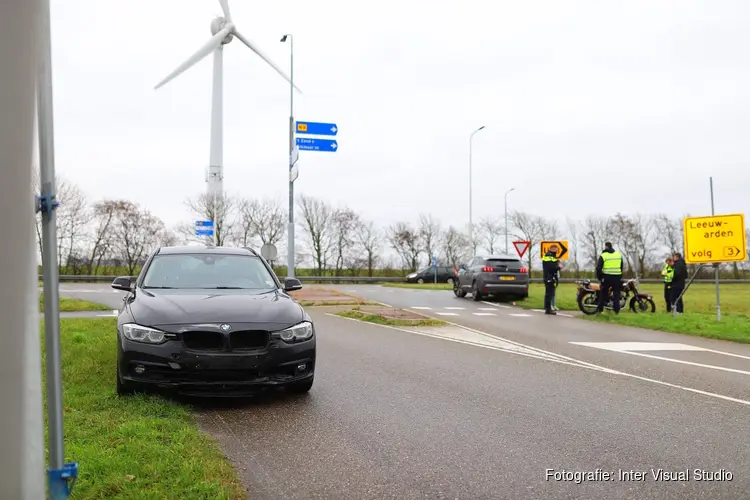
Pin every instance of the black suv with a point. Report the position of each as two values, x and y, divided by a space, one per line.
445 274
492 275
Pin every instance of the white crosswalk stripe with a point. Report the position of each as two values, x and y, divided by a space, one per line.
484 314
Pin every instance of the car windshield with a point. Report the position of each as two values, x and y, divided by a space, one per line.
208 271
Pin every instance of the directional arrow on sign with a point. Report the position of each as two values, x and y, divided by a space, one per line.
562 245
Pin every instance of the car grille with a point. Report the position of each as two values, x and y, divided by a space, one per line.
248 339
242 340
203 341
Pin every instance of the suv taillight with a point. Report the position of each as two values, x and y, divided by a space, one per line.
524 270
487 269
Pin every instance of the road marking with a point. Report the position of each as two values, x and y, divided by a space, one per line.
456 308
631 347
640 346
423 308
447 314
504 306
484 314
566 360
487 308
520 315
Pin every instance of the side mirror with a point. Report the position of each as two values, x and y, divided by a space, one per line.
292 284
122 283
462 267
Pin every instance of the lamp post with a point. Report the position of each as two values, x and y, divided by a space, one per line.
290 230
506 218
471 218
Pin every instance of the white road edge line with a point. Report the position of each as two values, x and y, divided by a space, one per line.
573 362
713 367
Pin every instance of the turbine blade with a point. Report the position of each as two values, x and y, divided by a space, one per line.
225 8
207 48
255 49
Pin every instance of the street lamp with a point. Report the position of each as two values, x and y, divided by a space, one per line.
290 230
471 219
506 218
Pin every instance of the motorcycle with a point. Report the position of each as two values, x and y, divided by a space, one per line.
588 297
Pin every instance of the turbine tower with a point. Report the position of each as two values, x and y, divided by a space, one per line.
223 31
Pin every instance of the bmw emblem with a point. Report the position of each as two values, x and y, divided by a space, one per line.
225 327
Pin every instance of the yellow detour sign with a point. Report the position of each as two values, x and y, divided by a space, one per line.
715 239
562 248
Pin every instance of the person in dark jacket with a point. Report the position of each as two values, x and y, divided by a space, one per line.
679 278
550 268
609 273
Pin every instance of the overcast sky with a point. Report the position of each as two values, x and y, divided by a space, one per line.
588 105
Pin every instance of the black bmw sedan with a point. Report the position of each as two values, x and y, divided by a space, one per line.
212 321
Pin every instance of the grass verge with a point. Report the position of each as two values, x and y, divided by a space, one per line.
734 327
132 447
321 303
382 320
75 305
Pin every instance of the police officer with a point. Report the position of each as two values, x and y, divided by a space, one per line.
609 272
668 273
550 268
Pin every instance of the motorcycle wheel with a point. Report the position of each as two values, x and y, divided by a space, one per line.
642 305
588 302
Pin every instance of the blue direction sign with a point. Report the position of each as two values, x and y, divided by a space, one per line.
434 261
204 232
315 128
328 145
204 223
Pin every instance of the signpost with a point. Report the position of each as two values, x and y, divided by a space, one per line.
316 128
713 240
204 228
434 266
326 145
521 247
562 248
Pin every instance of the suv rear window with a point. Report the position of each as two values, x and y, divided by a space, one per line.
501 262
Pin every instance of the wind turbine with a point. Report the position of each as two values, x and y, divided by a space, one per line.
223 30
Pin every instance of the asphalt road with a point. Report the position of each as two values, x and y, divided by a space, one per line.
455 414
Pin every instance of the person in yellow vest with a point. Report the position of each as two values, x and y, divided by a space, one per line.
550 268
668 273
609 272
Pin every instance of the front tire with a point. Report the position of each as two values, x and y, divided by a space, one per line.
449 281
300 387
588 303
643 305
420 281
457 291
123 388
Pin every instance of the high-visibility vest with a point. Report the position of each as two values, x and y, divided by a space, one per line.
549 258
612 263
668 273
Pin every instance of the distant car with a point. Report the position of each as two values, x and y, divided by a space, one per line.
212 321
445 274
492 275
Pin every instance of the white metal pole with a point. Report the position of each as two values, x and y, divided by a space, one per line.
716 266
290 231
471 204
21 432
506 219
216 159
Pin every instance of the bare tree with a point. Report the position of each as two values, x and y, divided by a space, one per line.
102 241
490 231
220 209
624 234
548 228
455 246
669 232
136 233
72 217
345 222
429 234
405 240
574 230
527 227
367 237
595 233
317 223
261 218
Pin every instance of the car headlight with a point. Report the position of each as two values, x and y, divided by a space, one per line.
302 331
138 333
412 275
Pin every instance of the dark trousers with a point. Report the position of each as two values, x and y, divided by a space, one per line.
668 296
613 283
677 289
549 294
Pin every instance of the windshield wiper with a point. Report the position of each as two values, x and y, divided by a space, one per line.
159 287
227 288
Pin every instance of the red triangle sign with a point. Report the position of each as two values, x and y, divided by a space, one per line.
521 247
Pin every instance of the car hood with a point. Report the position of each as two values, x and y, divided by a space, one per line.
267 310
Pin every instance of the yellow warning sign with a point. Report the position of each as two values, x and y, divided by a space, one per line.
715 239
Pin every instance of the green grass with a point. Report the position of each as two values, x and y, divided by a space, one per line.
380 320
75 305
132 447
321 303
734 327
